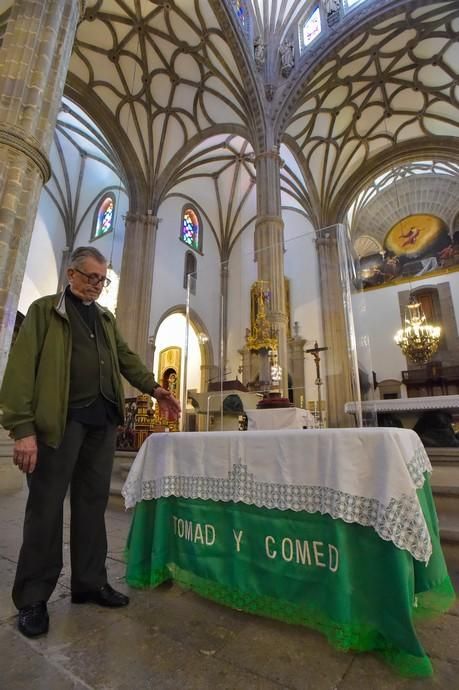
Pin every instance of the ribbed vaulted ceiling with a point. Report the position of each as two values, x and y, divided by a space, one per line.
173 75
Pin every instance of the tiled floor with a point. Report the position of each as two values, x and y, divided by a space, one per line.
172 639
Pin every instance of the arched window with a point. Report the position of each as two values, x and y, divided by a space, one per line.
190 232
104 217
190 269
310 28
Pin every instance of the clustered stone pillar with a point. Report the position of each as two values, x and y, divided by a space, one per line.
338 369
34 57
269 248
134 295
223 349
65 260
296 360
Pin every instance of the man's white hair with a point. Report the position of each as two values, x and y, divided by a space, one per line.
81 253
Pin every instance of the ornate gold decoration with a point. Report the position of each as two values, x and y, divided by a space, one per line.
149 421
161 423
169 369
262 335
418 339
141 420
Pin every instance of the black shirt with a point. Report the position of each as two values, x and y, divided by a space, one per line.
94 409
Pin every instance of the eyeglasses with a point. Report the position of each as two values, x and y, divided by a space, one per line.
94 279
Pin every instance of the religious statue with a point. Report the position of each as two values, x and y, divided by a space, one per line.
315 352
270 91
287 56
259 53
332 9
172 383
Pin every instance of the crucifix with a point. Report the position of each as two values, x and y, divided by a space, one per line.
314 351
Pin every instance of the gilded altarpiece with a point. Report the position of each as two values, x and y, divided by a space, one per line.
261 339
260 292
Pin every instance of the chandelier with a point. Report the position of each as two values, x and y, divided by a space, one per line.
418 339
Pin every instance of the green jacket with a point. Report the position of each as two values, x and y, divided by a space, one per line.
35 388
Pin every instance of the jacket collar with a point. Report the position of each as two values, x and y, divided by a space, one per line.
60 305
61 310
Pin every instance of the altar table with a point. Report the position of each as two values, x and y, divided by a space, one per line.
333 529
279 418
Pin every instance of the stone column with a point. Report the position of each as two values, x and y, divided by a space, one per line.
66 254
209 373
338 377
134 294
296 361
223 345
269 248
246 368
34 57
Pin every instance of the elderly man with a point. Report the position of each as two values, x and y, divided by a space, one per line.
62 399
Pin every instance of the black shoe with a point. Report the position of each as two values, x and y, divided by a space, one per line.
104 596
34 619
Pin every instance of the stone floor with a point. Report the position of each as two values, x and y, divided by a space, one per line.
172 639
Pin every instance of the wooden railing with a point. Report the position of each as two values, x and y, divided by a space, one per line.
433 379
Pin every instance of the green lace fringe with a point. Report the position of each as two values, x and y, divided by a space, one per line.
343 636
435 601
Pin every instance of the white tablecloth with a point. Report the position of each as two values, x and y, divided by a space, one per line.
367 476
279 418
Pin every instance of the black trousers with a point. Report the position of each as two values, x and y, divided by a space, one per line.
84 462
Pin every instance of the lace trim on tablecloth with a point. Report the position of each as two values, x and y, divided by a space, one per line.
401 521
434 402
419 465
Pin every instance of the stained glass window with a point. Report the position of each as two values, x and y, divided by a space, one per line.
190 232
104 217
240 8
311 27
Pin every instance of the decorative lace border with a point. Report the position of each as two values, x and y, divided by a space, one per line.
435 402
401 521
419 465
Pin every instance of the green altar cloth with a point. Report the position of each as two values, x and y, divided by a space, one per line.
362 592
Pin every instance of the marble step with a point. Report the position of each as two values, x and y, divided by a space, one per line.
446 499
443 456
124 470
445 489
122 463
449 528
116 484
